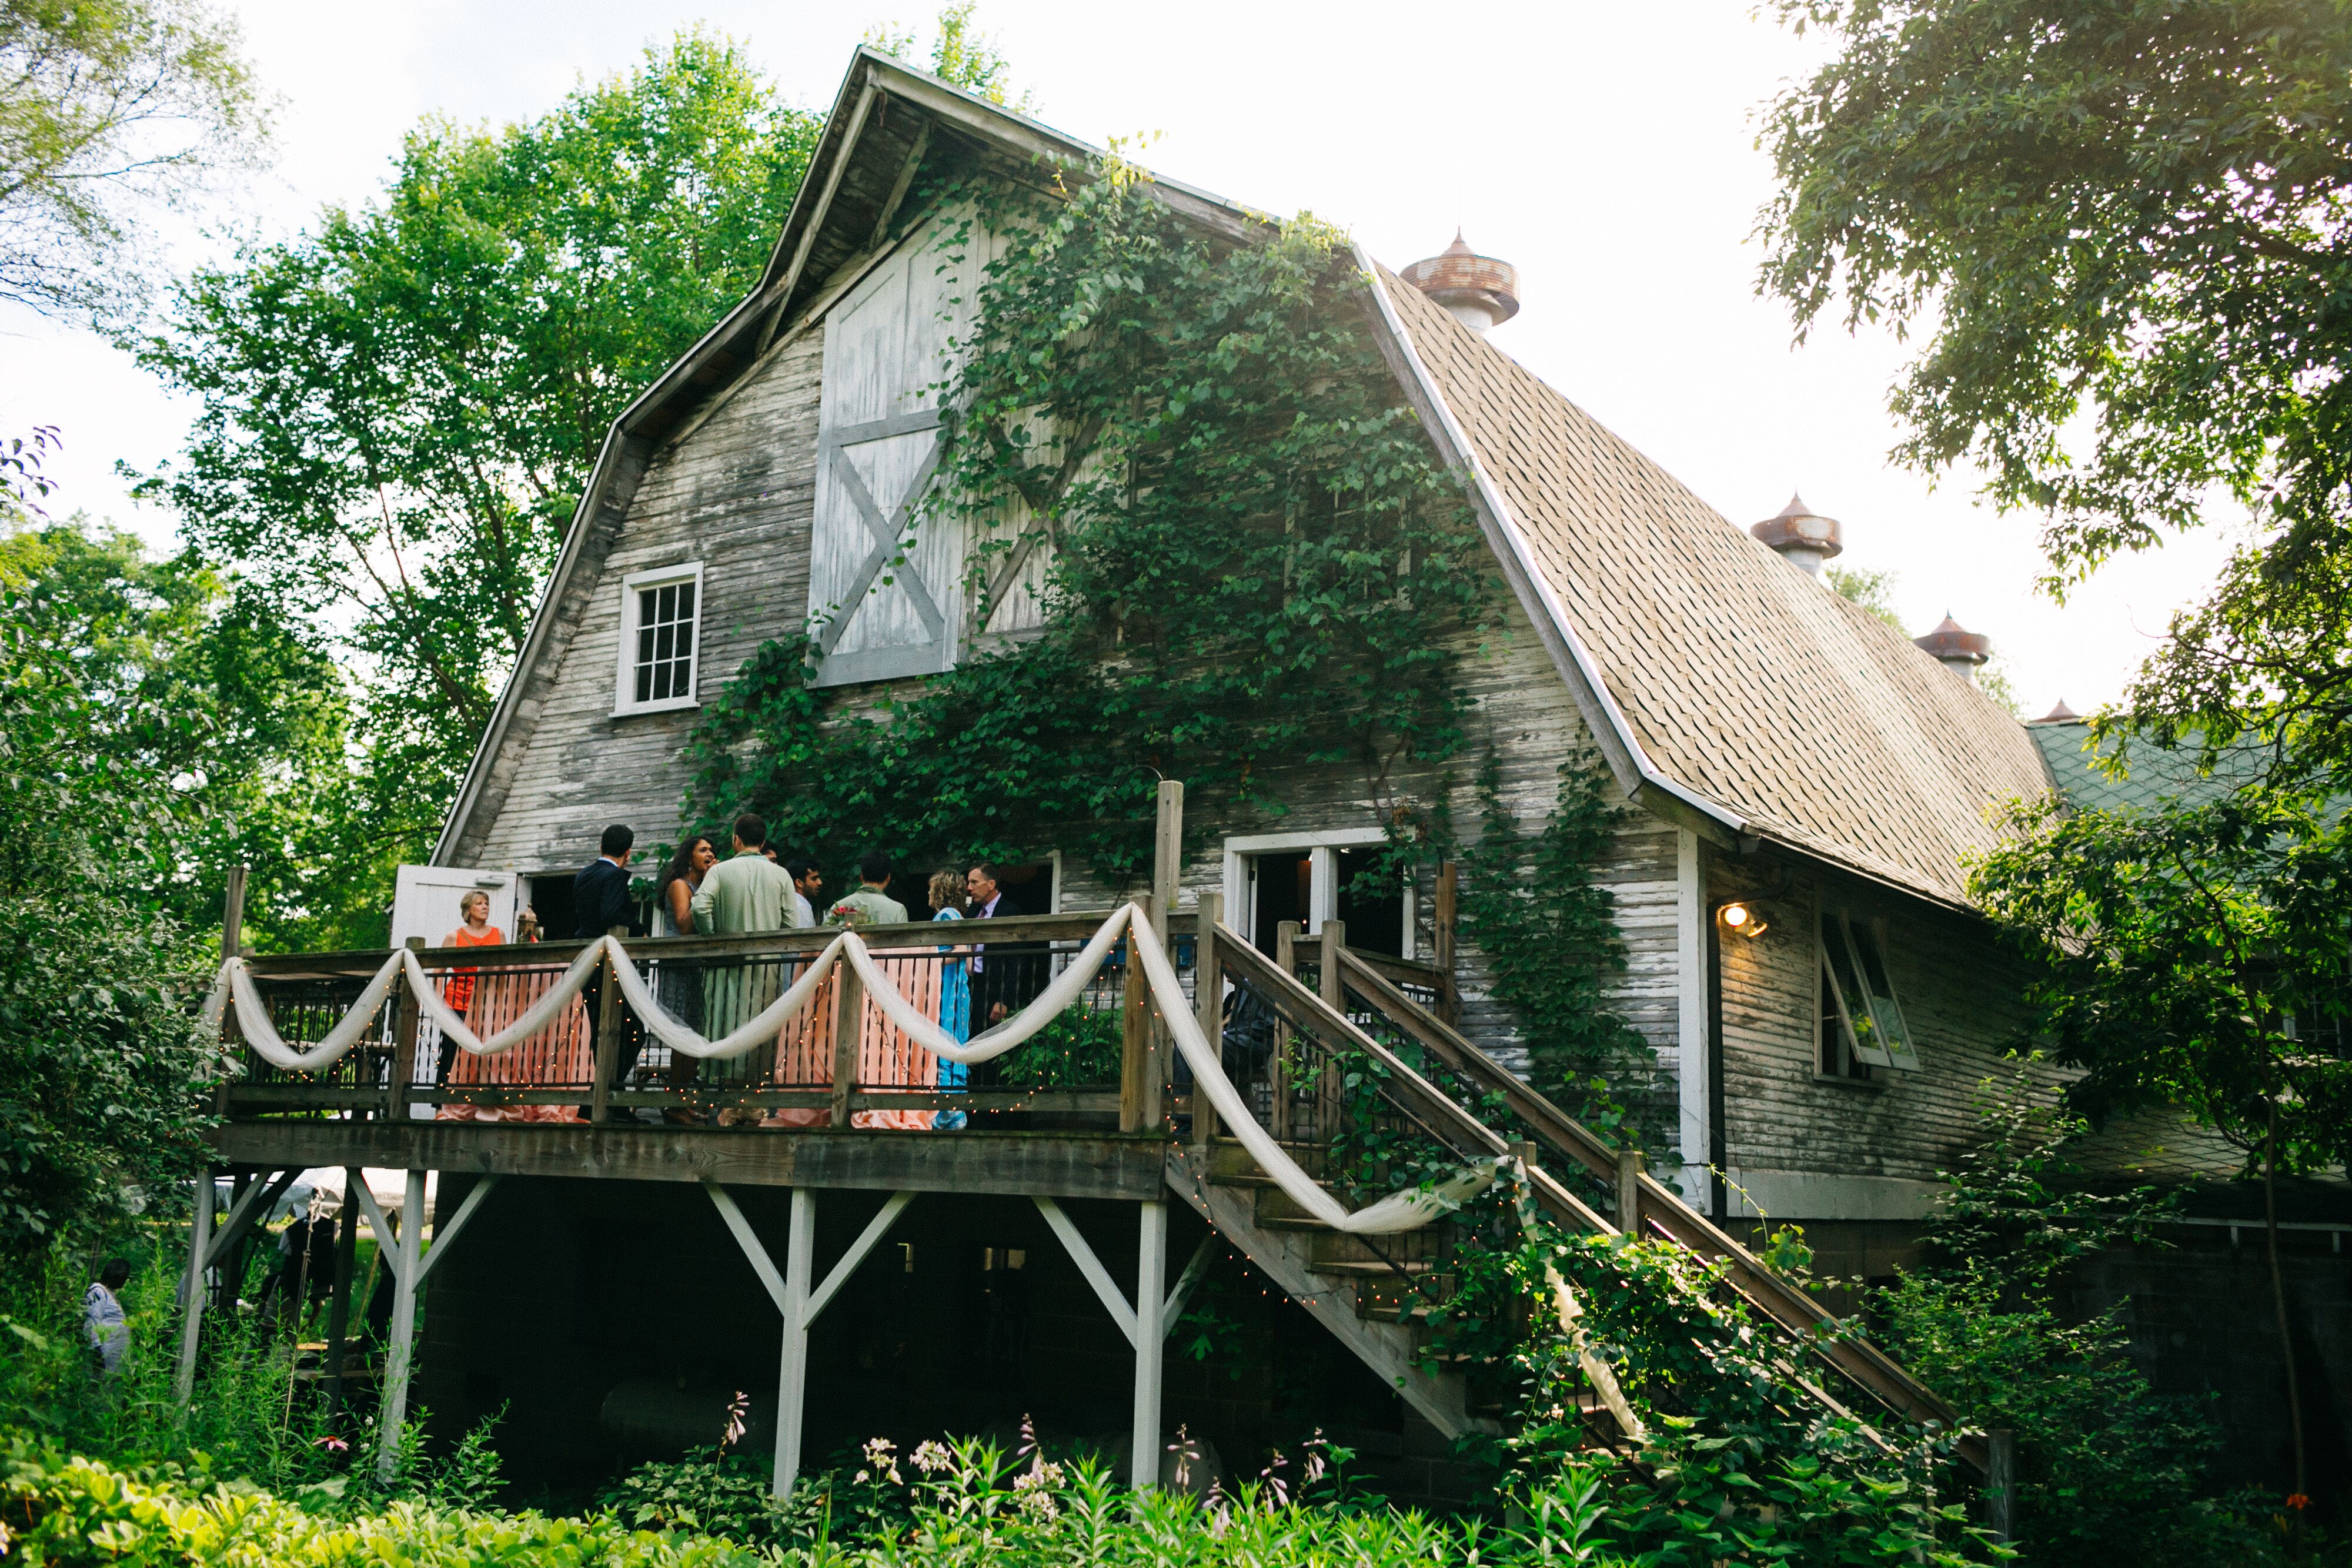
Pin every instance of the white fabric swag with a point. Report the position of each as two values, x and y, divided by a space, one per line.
1401 1211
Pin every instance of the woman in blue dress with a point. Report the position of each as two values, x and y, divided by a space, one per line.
947 894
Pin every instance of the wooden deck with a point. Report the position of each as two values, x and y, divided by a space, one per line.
1051 1164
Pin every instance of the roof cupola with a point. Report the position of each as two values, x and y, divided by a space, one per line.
1478 291
1956 648
1802 535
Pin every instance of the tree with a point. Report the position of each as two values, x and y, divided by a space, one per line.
2121 226
2194 956
397 411
108 111
959 53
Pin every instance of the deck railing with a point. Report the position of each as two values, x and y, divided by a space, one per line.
838 1062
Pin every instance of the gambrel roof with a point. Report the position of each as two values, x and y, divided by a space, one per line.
1730 691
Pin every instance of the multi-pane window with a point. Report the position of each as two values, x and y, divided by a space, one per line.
1862 1019
659 637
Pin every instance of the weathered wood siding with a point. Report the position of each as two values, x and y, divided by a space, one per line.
1961 994
735 493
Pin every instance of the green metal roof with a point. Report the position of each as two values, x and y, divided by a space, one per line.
2154 776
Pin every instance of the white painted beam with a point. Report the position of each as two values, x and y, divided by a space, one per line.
876 1229
1106 1288
443 1235
1150 1340
402 1353
1194 1267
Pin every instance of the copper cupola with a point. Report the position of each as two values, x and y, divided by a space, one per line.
1478 291
1801 535
1956 648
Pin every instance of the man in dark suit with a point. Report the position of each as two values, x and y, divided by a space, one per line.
601 894
1006 976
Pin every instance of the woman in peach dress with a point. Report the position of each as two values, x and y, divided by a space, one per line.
558 1054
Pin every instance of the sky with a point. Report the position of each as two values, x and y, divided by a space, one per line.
1605 151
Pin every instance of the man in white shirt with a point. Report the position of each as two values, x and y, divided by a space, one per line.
807 884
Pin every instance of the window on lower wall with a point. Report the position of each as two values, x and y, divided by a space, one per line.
661 623
1862 1019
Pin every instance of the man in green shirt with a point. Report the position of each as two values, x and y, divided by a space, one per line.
871 904
747 893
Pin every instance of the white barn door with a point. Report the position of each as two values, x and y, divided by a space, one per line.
885 591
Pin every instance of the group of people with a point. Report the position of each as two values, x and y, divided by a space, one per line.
752 888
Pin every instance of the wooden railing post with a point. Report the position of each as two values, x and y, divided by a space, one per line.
2001 1483
1449 995
1208 1006
1278 1066
608 1037
848 1018
1629 1191
231 945
1143 1068
1334 936
405 1018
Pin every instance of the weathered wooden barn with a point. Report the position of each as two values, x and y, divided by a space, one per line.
1801 783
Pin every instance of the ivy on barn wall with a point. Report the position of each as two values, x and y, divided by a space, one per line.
1258 563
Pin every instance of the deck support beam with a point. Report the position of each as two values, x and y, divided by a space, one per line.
1145 1324
799 1302
206 1252
404 1253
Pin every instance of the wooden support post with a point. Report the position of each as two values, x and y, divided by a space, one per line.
339 1300
792 1377
1449 994
1334 936
1150 1340
401 1355
1277 1067
1629 1190
233 914
2000 1482
406 1017
1167 854
1139 1086
1208 1006
848 1018
229 1250
192 1293
608 1038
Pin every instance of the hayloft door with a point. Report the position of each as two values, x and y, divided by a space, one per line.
886 596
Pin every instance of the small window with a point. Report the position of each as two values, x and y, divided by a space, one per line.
660 638
1859 1014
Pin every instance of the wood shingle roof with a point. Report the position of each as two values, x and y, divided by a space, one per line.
1745 680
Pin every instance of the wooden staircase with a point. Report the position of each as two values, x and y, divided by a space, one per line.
1372 1294
1369 1301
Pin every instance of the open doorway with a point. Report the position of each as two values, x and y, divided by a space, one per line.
1311 878
1283 885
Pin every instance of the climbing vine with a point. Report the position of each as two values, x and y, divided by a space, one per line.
1247 554
1548 932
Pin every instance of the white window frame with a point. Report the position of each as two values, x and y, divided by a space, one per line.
1835 923
1323 881
625 682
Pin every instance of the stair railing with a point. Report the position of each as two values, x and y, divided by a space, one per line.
1654 1206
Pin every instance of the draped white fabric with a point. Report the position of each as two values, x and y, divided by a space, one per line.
1398 1212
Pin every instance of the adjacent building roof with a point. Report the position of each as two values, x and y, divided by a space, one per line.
2152 776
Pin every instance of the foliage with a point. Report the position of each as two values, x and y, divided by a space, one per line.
2107 1469
1549 935
959 53
1738 1463
74 1512
396 412
2181 953
1256 560
2120 227
1081 1047
110 112
1874 591
108 694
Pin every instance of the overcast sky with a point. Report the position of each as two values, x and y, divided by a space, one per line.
1606 151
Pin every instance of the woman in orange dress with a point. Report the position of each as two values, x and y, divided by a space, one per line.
557 1054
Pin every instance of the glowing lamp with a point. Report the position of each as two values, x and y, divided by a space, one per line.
1742 918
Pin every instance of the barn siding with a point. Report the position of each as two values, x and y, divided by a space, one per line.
737 493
